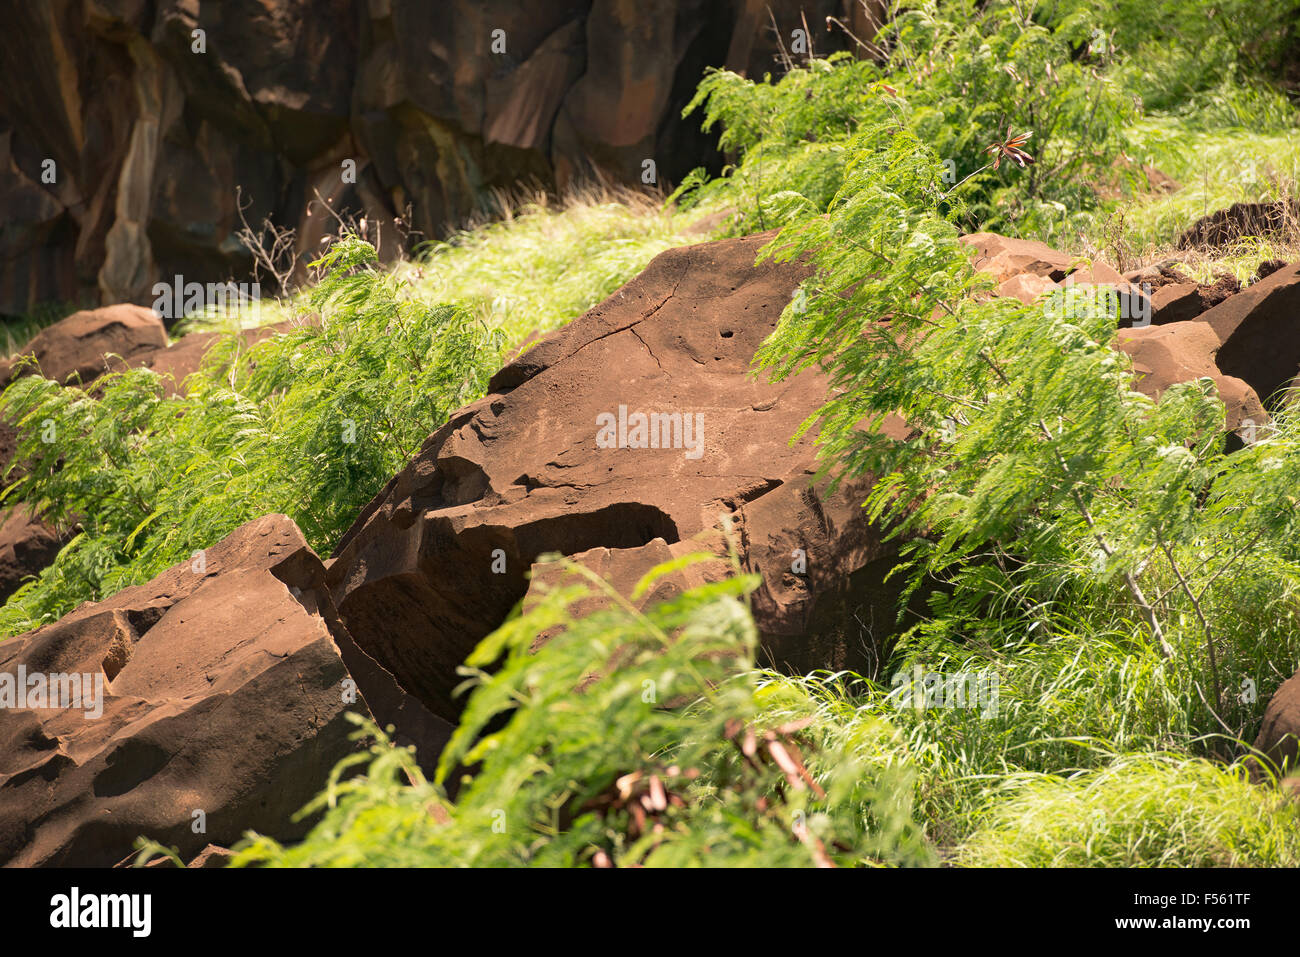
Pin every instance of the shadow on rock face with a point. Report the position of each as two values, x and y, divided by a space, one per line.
206 702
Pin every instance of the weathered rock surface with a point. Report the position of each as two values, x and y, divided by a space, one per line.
1175 296
1182 351
1279 734
224 690
1026 287
27 546
1249 344
226 679
1004 257
75 349
442 554
521 473
1247 341
1026 269
1176 302
150 136
1259 331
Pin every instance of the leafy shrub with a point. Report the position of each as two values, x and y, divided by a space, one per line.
974 72
1097 550
1129 580
1211 62
962 76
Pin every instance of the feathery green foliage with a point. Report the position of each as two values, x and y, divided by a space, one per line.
1084 81
962 76
1127 579
311 423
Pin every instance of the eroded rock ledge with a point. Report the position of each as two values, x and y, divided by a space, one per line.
224 685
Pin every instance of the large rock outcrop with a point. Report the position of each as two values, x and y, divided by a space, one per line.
438 559
442 554
128 141
1259 331
1249 344
214 695
77 349
1246 340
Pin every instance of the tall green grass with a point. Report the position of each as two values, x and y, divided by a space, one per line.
1214 169
1149 810
546 261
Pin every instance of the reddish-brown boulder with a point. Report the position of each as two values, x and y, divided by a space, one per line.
27 546
1259 331
1004 257
1027 287
1279 734
440 557
1245 341
1026 269
215 703
1181 352
1176 302
75 349
1175 296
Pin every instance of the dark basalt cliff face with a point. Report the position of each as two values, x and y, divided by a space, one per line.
123 148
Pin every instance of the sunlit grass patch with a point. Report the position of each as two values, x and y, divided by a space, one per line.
546 261
1141 811
1214 170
